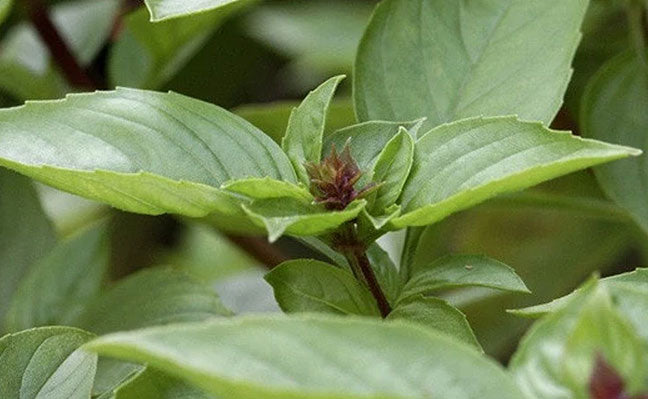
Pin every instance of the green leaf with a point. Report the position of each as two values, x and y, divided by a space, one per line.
295 217
391 170
448 60
151 297
386 272
5 8
303 139
267 188
153 384
436 314
272 118
630 294
147 55
461 164
314 357
167 9
454 271
27 234
613 110
58 286
45 363
556 357
306 285
140 151
367 141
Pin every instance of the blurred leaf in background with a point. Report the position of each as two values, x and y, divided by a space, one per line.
320 37
26 68
147 54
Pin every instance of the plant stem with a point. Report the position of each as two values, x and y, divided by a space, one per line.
355 251
359 259
259 249
59 50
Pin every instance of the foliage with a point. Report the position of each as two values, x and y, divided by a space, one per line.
389 212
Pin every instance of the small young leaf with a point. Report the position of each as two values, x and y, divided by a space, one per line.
27 235
556 358
613 109
319 357
59 285
311 286
448 60
461 271
367 140
391 170
436 314
140 151
304 135
46 363
272 118
461 164
167 9
267 188
290 216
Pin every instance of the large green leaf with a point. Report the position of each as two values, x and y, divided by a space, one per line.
613 109
167 9
45 363
149 298
297 217
556 358
311 286
27 234
147 55
454 271
436 314
448 60
305 131
461 164
141 151
58 286
314 357
26 70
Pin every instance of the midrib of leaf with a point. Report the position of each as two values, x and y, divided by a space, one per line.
471 68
